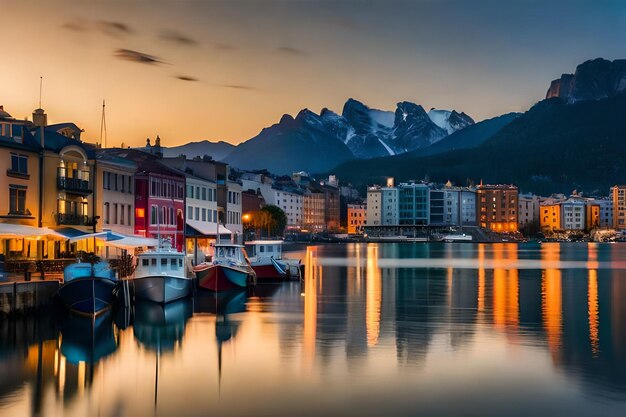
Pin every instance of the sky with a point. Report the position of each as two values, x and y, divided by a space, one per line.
191 70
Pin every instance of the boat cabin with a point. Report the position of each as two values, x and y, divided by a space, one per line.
170 263
265 249
229 253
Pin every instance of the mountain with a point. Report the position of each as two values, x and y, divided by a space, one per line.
217 150
303 143
470 137
450 121
553 147
593 80
314 142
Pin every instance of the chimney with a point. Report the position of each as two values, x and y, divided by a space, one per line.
40 118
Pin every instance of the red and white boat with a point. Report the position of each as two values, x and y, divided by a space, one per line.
267 261
229 269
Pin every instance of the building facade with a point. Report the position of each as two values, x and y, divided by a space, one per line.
357 214
413 204
496 207
618 196
115 193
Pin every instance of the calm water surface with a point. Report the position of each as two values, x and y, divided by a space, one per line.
374 330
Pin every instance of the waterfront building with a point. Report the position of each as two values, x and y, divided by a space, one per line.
413 203
357 214
550 215
606 212
314 211
496 207
618 196
389 206
573 214
233 210
373 206
528 210
115 193
282 192
467 199
437 201
159 196
592 214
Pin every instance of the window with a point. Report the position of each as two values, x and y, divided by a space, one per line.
115 213
106 213
203 214
152 262
189 191
190 212
122 214
197 213
129 211
105 180
154 215
17 200
163 262
123 181
130 185
19 164
115 182
173 264
144 262
172 218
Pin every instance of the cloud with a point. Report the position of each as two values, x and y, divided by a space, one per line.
238 87
115 29
76 25
138 57
290 51
186 78
176 37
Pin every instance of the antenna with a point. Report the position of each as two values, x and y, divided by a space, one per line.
40 88
103 127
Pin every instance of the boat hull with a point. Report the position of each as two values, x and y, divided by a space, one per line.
222 278
162 289
88 296
268 272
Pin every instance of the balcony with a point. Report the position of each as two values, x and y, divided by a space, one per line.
74 185
73 219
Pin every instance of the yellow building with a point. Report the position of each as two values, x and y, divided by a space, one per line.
550 216
592 216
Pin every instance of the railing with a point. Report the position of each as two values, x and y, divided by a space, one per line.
73 184
74 219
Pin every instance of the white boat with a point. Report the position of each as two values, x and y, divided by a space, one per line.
160 275
457 238
267 261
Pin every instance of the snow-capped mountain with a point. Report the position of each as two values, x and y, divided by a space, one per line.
450 121
316 141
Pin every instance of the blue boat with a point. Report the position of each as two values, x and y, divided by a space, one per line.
88 289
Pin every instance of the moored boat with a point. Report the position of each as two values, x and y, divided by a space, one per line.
267 261
160 275
88 289
228 269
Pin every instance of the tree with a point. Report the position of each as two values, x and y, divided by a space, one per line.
277 220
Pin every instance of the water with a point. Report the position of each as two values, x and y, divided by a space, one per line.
543 333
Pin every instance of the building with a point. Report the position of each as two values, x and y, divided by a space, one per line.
618 195
573 214
374 206
282 192
467 199
357 214
606 212
114 191
314 211
389 206
528 210
437 202
592 215
550 215
496 207
159 196
413 204
233 210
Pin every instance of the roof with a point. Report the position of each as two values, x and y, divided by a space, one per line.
146 162
265 242
197 228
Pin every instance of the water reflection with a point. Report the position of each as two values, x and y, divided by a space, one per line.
361 338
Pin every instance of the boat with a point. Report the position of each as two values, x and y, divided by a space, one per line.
457 238
228 269
267 261
88 340
88 289
160 275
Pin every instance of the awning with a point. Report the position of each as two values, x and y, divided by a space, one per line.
197 228
10 231
106 235
70 232
132 242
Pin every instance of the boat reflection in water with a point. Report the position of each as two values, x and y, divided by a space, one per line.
159 327
87 339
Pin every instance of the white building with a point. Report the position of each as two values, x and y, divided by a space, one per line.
201 203
573 214
374 207
606 212
467 202
290 200
115 184
233 210
389 203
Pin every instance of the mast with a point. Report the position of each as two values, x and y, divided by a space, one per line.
103 127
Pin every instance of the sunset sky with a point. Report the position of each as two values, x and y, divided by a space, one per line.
190 70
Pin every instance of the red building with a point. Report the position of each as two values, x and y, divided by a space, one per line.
159 198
